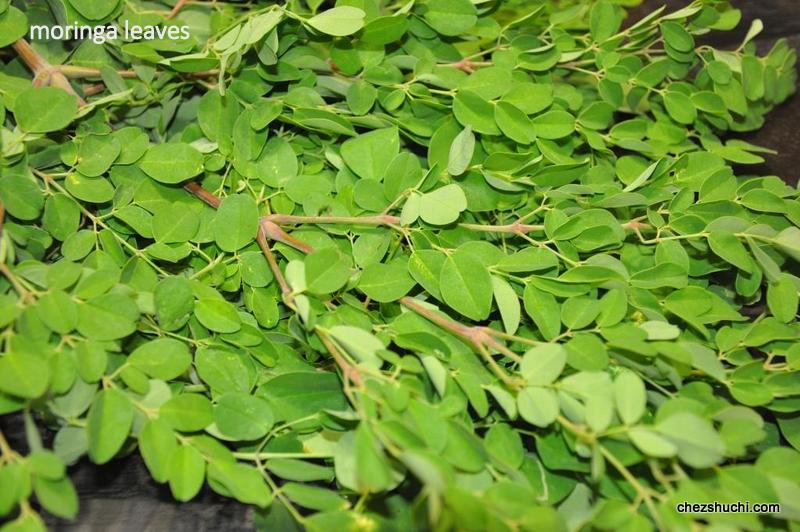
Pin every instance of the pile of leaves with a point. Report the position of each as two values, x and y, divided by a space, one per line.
436 264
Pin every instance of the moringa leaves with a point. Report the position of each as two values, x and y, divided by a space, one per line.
172 163
339 21
444 264
44 109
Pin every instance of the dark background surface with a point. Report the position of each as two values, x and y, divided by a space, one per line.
121 496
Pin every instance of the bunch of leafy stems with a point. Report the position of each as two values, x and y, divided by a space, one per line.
484 340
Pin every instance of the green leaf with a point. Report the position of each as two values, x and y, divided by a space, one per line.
514 123
790 429
751 393
57 496
163 358
243 417
187 470
369 155
677 37
218 315
223 370
630 397
470 109
277 164
728 247
255 269
339 21
44 109
543 364
508 304
782 298
21 197
543 308
425 266
788 241
174 302
697 442
386 282
553 124
13 26
466 285
538 406
24 374
651 442
172 163
157 443
604 20
373 473
236 222
314 497
680 107
244 482
187 412
175 224
363 345
107 317
505 444
94 9
450 17
461 151
61 217
96 154
299 394
443 205
299 470
108 424
361 97
327 270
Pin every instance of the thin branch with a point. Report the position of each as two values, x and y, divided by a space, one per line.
516 228
286 290
207 197
380 219
43 70
646 493
269 230
350 371
274 232
91 90
24 294
177 9
74 71
475 336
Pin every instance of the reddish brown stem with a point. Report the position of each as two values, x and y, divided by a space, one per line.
72 71
274 232
286 290
380 219
177 9
350 371
475 336
91 90
43 71
207 197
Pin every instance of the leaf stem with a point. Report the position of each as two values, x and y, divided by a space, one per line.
350 371
136 251
268 456
43 71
